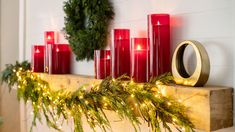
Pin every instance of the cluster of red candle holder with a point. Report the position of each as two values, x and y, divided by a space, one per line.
141 59
51 58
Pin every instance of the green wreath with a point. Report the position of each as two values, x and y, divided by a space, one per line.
86 25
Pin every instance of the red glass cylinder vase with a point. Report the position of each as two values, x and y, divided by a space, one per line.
102 64
121 52
159 44
139 59
61 59
49 38
38 58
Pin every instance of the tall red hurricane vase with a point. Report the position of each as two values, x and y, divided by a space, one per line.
102 64
120 52
38 58
61 59
49 38
159 44
139 59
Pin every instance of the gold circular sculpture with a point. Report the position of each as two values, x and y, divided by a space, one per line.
202 70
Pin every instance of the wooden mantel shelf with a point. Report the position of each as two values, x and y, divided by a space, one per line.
210 107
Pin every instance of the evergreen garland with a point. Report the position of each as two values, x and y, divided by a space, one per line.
86 25
126 98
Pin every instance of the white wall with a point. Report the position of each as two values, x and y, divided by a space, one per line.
209 21
9 105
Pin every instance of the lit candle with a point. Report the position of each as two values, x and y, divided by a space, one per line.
139 59
159 45
102 64
121 52
50 37
38 58
61 59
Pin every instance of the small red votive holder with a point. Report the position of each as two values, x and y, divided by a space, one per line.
139 59
38 58
121 52
61 59
102 64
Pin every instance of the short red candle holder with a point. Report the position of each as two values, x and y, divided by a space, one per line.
139 59
121 52
61 59
159 44
38 58
102 64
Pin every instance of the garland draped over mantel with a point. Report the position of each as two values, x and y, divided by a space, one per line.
126 98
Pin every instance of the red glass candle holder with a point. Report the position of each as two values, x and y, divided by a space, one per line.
50 37
38 58
159 44
61 59
102 64
139 59
121 52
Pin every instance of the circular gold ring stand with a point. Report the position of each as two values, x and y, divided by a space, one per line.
201 73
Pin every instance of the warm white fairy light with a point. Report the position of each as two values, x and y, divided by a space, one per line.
81 97
143 105
174 120
156 95
132 95
169 103
131 82
179 100
86 102
84 88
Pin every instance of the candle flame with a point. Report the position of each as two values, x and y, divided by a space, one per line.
158 23
138 47
49 37
57 49
108 56
37 51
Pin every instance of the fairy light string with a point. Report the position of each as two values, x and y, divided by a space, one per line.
128 99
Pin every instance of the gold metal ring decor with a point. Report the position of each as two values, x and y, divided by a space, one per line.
201 73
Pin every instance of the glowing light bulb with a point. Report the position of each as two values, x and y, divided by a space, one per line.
132 95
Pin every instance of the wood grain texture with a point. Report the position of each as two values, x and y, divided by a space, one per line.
210 108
